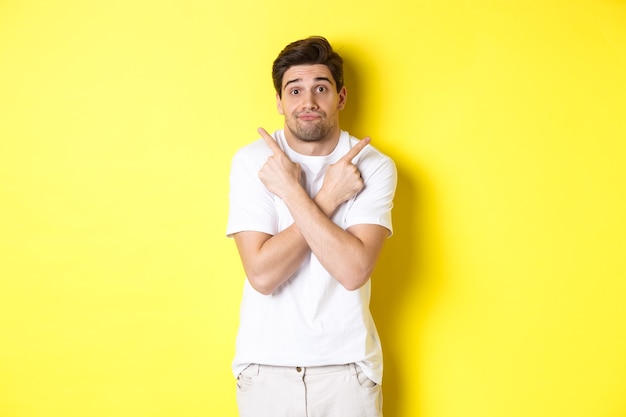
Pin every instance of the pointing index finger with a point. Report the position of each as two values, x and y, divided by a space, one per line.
270 141
356 149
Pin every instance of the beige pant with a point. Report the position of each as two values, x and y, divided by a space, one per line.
323 391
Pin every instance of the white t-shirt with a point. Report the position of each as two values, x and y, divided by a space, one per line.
311 319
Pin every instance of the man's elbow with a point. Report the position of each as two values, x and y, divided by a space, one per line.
261 284
353 285
352 281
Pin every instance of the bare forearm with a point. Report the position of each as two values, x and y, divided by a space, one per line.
343 254
269 261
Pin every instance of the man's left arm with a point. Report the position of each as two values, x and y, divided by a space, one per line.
348 255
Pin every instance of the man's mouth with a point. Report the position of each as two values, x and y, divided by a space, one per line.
309 116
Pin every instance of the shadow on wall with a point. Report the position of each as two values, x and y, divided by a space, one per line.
350 115
392 289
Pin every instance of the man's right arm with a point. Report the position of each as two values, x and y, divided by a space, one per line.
270 260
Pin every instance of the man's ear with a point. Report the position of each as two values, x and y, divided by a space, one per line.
343 96
279 105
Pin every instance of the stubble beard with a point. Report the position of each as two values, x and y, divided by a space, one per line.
309 131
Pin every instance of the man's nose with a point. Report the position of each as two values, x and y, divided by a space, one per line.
309 101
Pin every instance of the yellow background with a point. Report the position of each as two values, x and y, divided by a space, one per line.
501 294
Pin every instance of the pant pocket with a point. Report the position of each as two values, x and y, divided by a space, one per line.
245 380
364 381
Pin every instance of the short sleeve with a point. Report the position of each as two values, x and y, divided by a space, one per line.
251 206
374 203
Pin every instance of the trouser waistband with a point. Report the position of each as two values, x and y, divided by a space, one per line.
302 370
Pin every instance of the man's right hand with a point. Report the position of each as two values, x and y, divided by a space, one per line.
279 174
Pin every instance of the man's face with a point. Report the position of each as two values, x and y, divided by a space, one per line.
310 102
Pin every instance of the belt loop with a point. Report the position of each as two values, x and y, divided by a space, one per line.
353 368
254 367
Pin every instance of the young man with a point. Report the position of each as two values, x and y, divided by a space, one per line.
310 209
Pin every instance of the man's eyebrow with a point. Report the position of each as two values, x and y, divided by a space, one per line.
296 80
323 79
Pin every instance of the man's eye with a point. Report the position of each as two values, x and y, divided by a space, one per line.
321 89
295 92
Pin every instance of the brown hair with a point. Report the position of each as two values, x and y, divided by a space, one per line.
309 51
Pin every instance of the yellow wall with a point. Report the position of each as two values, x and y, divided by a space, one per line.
502 292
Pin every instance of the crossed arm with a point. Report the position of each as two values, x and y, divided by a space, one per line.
348 255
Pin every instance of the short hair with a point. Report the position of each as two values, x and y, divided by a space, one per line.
310 51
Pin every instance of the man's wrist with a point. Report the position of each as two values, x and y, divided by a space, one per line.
325 203
295 195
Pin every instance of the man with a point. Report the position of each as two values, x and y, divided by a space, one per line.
310 209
